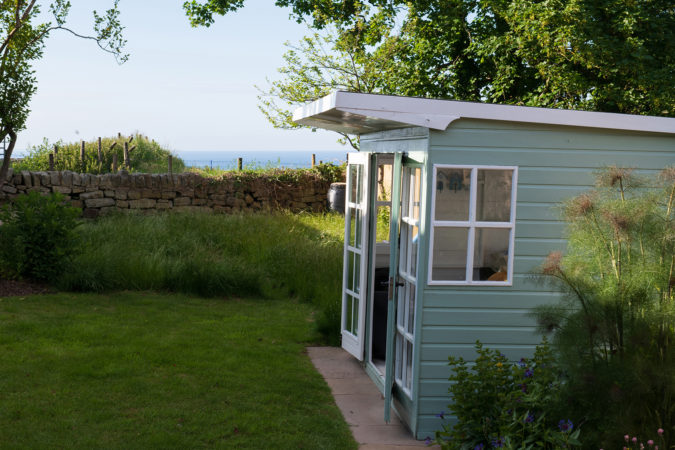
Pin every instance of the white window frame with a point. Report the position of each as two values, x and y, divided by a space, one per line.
471 225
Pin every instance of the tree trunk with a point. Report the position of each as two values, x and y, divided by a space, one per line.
8 156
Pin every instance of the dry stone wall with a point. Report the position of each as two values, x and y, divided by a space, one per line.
101 194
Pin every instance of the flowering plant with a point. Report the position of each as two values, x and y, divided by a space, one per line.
499 404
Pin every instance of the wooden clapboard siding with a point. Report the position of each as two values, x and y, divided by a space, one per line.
555 163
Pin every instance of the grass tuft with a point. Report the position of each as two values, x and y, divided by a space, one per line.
272 256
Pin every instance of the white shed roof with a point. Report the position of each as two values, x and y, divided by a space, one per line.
355 113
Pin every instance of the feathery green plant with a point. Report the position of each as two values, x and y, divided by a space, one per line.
615 331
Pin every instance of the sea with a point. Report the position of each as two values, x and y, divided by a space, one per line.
259 159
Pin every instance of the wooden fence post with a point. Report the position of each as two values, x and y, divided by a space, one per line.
56 151
240 164
100 151
313 160
82 155
115 163
51 161
127 163
170 164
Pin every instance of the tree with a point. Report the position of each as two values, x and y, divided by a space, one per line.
22 41
598 55
318 65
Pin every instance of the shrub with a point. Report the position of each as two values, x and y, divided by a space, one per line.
614 330
37 236
500 404
146 156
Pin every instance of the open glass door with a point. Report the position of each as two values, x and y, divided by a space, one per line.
403 280
393 269
354 281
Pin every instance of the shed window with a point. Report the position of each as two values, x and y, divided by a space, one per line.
473 225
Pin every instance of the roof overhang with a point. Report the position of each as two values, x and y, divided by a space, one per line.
355 113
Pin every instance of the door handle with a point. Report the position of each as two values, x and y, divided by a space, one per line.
393 284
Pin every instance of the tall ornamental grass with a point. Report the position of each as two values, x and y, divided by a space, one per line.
615 331
269 256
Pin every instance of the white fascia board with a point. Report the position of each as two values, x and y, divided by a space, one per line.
438 114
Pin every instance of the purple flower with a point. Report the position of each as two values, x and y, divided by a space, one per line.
480 446
566 425
427 441
528 373
441 415
521 363
523 387
497 442
529 418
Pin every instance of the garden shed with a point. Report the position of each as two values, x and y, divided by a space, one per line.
450 208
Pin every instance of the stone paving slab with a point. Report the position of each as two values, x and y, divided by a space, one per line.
360 401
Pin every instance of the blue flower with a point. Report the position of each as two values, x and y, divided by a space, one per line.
441 415
497 442
521 363
566 425
529 418
528 373
523 387
480 446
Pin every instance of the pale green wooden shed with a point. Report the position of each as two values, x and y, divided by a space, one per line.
472 190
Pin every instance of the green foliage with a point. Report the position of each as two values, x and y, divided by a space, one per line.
500 404
614 331
327 172
149 371
599 55
37 236
146 156
271 256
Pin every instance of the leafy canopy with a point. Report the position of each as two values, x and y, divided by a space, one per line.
599 55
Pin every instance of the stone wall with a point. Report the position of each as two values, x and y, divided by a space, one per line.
101 194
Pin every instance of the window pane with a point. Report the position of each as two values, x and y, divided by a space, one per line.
491 254
450 251
355 227
383 221
348 313
408 365
400 307
452 194
354 273
355 316
356 180
493 202
403 248
399 356
384 176
411 310
413 252
414 207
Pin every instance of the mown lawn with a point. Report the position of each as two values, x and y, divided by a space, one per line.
142 370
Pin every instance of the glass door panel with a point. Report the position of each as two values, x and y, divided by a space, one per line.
355 261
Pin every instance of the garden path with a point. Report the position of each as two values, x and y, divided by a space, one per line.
360 402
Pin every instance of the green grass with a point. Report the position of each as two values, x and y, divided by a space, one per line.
146 156
270 256
139 370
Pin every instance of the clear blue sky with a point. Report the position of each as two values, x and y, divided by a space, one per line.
190 89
